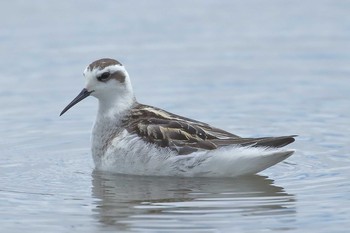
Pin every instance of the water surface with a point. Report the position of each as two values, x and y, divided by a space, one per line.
254 68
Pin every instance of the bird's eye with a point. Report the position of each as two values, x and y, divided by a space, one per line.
104 76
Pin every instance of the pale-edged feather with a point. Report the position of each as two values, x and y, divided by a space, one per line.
185 135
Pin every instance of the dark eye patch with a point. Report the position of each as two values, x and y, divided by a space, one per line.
119 76
104 76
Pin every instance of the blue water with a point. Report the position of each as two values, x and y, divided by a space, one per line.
254 68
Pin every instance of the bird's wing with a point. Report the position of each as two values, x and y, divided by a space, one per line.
185 135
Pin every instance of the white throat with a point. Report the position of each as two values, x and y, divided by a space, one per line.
115 107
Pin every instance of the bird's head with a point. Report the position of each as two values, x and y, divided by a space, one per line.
108 81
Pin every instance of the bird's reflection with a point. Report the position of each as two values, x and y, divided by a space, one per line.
122 200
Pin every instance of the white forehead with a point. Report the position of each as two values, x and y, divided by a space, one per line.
96 71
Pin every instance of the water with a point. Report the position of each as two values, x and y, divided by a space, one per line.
255 68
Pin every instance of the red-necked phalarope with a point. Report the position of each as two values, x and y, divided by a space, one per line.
132 138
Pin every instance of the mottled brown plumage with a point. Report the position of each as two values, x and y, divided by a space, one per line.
103 63
185 135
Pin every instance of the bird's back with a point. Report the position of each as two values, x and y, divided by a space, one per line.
185 135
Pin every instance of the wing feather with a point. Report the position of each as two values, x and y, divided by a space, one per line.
185 135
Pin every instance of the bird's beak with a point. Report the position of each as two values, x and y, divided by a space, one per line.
82 95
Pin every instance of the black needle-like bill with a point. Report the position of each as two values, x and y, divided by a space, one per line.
82 95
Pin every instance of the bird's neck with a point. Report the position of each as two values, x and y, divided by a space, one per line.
115 108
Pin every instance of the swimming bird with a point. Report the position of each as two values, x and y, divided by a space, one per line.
132 138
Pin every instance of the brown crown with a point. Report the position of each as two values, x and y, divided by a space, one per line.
103 63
